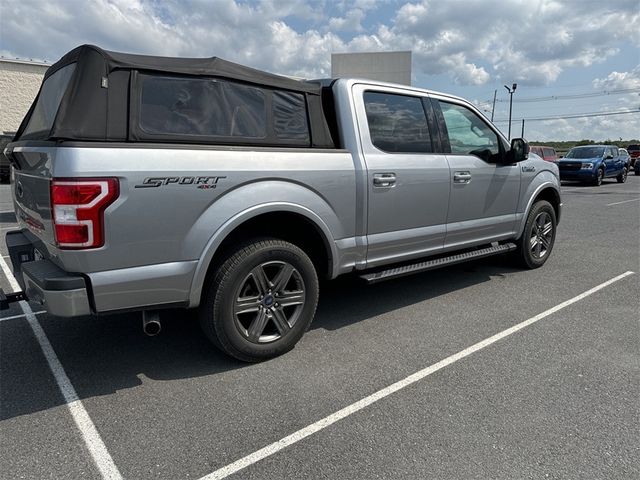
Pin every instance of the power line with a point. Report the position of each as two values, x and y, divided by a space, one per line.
602 93
563 117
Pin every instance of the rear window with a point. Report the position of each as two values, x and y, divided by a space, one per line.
633 148
397 123
46 108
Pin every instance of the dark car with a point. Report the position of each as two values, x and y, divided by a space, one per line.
634 153
593 163
5 167
546 153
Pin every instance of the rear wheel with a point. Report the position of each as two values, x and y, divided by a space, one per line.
622 177
536 243
260 301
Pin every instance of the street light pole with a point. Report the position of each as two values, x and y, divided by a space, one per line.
511 90
493 109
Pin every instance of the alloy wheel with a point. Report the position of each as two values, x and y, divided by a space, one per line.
268 302
541 235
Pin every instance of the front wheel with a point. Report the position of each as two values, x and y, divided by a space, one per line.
599 177
260 301
536 243
622 177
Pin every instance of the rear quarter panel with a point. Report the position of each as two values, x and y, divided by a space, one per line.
174 222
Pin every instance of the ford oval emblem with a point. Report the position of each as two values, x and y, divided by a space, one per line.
19 189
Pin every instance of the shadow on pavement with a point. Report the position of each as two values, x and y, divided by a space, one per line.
102 355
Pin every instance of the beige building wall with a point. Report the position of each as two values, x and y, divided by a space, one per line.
394 67
19 84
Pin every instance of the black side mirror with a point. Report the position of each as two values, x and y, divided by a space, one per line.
519 150
608 157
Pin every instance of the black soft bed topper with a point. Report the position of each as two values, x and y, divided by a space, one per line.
101 101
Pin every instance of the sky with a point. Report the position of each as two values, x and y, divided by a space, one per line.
568 58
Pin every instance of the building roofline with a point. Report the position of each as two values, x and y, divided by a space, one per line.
24 61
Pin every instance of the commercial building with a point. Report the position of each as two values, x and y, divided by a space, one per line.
392 67
19 84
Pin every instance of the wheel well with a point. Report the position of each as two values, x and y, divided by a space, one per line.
551 196
287 226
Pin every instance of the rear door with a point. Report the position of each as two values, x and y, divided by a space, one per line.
484 191
408 184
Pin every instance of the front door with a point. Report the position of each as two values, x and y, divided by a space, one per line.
484 191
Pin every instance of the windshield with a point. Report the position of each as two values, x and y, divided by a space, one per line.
44 113
587 152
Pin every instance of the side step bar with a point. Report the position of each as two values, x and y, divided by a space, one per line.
396 272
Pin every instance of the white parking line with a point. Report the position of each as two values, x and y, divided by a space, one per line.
14 317
385 392
625 201
90 435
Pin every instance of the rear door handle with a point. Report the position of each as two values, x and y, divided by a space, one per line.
462 177
384 179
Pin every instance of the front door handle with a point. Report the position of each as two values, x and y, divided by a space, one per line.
384 179
462 177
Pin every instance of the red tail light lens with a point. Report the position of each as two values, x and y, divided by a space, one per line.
78 210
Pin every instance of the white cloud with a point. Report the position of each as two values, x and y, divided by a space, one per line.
531 42
528 41
351 22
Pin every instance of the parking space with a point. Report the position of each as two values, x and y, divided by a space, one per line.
557 398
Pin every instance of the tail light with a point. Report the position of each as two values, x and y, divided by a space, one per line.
78 210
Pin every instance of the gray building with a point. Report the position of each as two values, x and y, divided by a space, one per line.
392 67
19 84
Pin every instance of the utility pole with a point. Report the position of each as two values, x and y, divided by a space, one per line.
511 90
493 109
522 136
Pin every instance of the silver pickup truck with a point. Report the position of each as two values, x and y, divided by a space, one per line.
143 183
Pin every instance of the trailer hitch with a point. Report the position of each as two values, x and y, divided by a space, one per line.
8 298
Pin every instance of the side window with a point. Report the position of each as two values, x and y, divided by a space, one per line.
397 123
197 106
469 134
290 116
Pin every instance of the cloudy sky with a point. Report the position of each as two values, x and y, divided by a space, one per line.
568 57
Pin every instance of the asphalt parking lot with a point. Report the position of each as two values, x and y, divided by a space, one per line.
558 398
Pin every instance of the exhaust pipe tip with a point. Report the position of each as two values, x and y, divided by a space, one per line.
151 325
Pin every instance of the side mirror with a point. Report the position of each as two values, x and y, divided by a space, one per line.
519 150
608 157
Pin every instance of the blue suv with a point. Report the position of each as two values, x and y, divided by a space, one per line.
593 163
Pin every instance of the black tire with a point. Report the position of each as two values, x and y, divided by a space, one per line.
534 255
599 177
254 273
621 178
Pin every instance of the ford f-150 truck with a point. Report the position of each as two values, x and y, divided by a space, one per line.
143 183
